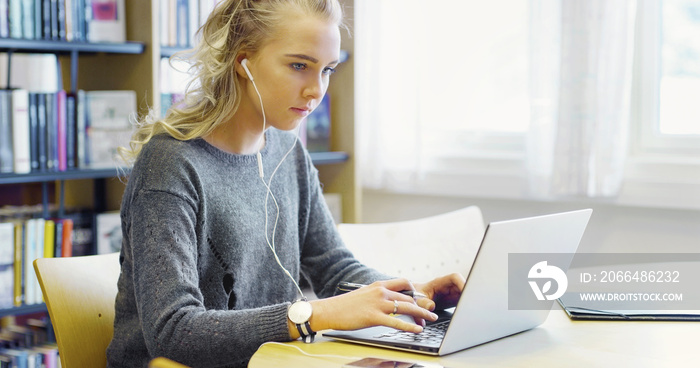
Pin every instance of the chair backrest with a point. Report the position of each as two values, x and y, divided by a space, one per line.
421 249
79 293
161 362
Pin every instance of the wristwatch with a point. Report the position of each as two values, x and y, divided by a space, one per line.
300 313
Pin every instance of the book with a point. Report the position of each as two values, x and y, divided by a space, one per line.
81 147
61 15
19 264
6 150
41 131
81 235
66 238
28 258
49 238
108 232
71 131
87 15
15 18
108 125
51 138
69 19
33 131
18 357
78 20
33 72
38 17
107 22
28 19
4 19
7 259
20 132
58 237
61 131
46 19
38 252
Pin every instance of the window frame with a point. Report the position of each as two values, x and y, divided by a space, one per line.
646 139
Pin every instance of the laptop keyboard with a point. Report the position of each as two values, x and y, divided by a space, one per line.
432 334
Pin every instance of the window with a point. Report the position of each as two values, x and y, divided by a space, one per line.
448 94
668 78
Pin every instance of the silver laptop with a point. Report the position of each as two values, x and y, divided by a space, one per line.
483 312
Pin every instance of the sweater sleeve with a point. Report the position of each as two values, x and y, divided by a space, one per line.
171 308
325 258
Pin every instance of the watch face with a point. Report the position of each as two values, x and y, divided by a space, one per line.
299 312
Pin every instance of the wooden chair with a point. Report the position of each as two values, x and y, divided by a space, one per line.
79 293
421 249
161 362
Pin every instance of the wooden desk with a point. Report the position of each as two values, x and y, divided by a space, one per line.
559 342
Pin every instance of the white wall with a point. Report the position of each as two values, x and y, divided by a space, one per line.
612 228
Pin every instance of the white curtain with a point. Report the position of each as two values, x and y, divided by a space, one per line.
386 91
423 99
581 69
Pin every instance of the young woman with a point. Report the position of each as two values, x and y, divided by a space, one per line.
223 211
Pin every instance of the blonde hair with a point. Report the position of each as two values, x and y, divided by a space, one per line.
213 94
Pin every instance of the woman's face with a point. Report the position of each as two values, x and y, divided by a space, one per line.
292 71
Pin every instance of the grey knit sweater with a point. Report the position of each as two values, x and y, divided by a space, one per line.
199 283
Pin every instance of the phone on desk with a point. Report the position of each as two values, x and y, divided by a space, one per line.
387 363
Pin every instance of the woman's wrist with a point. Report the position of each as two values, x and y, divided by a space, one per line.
317 322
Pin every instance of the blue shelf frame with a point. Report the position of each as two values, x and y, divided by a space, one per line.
41 177
25 309
64 47
327 158
74 49
318 158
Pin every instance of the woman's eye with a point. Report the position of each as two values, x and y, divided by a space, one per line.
298 66
328 70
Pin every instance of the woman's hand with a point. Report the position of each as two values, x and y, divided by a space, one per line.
371 305
442 292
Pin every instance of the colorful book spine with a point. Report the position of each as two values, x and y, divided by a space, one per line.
49 238
19 264
67 241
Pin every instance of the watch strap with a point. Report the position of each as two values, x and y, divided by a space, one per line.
307 334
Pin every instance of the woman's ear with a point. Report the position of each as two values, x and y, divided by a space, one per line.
239 65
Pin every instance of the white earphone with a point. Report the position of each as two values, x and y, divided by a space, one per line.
271 245
244 64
